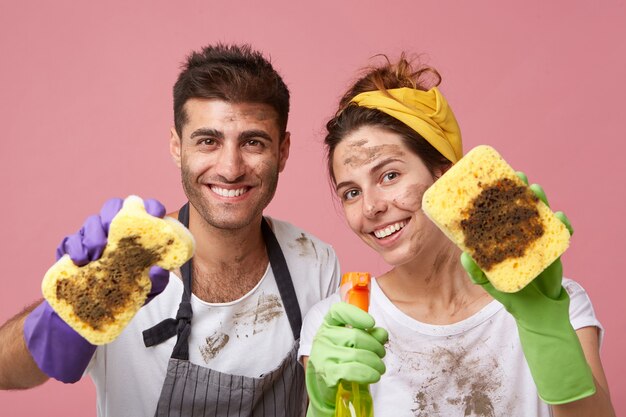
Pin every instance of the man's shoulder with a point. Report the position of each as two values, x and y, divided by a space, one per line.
296 237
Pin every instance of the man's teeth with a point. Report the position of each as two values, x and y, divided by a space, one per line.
228 193
389 230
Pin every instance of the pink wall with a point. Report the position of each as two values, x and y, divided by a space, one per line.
85 109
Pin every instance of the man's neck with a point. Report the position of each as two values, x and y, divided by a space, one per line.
228 263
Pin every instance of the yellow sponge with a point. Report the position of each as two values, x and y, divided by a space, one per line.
99 299
489 212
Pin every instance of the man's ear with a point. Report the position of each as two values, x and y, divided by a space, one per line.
175 144
283 151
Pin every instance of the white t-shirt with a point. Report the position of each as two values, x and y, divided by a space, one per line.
475 367
249 336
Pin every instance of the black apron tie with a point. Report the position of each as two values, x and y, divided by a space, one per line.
181 325
168 327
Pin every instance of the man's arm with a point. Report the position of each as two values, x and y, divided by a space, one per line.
18 370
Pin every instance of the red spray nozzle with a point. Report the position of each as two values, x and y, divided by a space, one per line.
355 289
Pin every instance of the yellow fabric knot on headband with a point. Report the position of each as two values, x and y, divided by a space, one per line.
426 112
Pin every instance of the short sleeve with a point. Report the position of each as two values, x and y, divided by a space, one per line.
312 321
335 274
581 311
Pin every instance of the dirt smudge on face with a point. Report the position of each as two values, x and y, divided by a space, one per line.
360 155
213 345
411 198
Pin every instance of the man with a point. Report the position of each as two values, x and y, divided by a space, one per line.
252 277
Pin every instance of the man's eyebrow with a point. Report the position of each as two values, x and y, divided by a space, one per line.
255 133
207 132
379 166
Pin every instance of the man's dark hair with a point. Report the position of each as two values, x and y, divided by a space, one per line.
233 73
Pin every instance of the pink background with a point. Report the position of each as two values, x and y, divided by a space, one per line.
85 108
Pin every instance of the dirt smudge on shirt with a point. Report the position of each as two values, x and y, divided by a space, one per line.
445 376
305 246
268 308
213 345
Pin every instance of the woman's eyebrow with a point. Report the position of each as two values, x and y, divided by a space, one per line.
379 166
343 184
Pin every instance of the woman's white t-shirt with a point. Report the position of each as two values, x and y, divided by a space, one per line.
475 367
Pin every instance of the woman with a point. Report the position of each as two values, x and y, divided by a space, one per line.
444 346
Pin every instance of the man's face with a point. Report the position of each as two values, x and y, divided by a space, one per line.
230 155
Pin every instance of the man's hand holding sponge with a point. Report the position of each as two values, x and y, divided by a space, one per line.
117 262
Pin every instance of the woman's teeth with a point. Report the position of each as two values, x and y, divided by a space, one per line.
381 233
228 193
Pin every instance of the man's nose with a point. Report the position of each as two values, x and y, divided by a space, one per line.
230 164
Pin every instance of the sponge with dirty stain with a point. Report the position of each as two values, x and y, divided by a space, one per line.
489 212
99 299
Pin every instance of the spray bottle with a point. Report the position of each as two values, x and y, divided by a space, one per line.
354 399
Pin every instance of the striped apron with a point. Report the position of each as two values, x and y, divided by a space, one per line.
193 390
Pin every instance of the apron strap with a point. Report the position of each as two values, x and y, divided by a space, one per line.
181 325
283 279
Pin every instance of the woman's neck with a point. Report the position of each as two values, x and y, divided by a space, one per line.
434 288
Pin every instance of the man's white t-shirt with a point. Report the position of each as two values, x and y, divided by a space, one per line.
475 367
249 336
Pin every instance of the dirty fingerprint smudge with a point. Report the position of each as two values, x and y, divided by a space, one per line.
475 386
422 407
363 155
478 404
420 402
269 307
213 346
303 244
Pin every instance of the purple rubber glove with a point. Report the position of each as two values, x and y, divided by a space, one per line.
88 243
59 351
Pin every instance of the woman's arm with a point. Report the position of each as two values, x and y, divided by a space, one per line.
598 404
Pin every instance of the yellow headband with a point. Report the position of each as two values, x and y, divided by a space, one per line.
426 112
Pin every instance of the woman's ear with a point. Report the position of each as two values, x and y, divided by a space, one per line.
442 169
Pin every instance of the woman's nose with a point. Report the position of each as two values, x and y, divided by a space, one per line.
373 205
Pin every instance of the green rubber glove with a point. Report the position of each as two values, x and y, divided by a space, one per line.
347 346
550 344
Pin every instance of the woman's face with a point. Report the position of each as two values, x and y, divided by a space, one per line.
380 183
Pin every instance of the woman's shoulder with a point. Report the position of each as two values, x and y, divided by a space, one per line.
320 308
572 287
